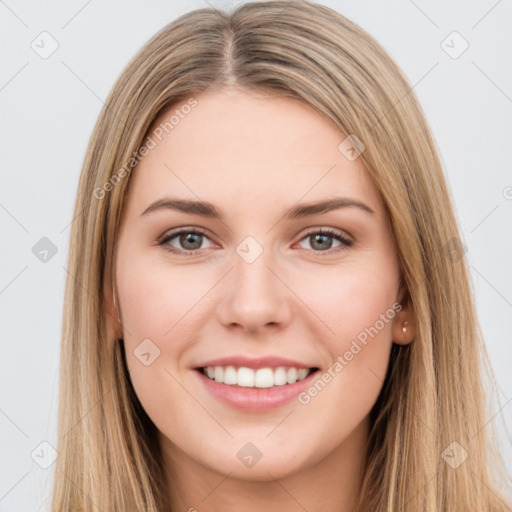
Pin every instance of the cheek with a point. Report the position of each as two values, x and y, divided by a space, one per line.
156 297
358 305
156 305
352 302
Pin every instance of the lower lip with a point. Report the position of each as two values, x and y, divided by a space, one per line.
255 399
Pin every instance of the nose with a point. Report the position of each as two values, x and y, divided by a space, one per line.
254 296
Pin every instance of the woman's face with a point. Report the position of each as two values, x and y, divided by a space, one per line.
249 275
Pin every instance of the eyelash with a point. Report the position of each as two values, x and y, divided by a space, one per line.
327 231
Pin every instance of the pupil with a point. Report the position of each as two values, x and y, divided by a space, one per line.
189 238
324 237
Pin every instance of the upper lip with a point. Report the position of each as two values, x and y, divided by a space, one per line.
255 363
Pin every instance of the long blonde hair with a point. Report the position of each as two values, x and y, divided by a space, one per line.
433 395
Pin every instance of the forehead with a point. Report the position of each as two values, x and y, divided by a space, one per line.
236 147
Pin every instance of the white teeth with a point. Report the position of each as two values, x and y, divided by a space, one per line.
291 375
219 374
230 375
302 373
260 378
245 377
279 376
264 378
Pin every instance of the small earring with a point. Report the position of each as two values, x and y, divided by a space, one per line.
404 328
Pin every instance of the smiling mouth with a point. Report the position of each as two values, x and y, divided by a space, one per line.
243 377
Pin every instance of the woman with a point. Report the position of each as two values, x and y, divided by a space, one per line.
316 347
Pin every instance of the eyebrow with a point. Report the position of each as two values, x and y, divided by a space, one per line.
208 210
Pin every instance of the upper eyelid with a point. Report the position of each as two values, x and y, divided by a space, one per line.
178 231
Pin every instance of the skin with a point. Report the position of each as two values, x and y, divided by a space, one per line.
254 157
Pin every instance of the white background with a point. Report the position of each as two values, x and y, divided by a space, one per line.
48 108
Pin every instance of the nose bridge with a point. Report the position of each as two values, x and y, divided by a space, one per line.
255 296
253 278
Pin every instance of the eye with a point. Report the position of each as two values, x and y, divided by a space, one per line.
190 241
321 240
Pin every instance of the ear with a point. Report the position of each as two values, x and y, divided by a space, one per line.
113 315
404 319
